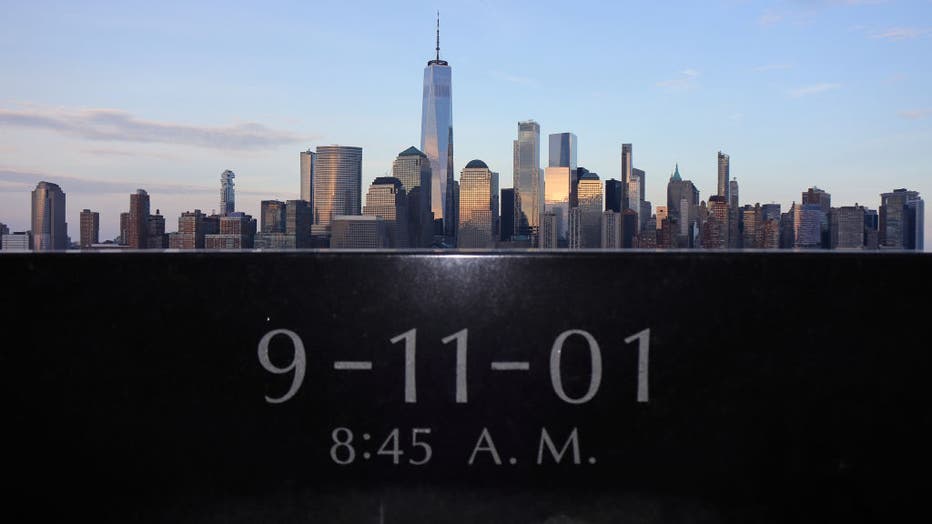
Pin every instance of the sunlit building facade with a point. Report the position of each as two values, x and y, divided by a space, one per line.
557 182
308 158
724 170
476 226
90 228
562 150
386 198
437 136
359 232
337 184
527 174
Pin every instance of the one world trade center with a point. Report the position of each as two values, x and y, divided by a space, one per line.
437 138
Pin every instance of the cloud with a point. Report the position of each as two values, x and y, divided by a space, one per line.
772 67
813 89
105 152
15 181
901 33
685 80
915 114
117 125
769 18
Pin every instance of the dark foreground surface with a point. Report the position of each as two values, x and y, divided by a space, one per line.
335 387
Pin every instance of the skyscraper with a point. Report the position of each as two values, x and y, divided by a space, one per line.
723 175
155 231
359 232
611 229
507 228
901 220
476 227
298 223
337 184
90 228
682 205
137 226
412 169
562 150
557 181
848 227
387 199
613 195
49 230
308 159
527 174
437 135
272 216
586 231
626 167
227 196
807 220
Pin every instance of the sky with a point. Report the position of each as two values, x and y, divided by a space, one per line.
103 98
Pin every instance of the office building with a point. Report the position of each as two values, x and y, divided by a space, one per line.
298 223
308 159
477 185
585 227
387 199
155 232
49 229
337 184
437 136
627 165
770 211
193 226
18 241
901 220
563 150
227 195
807 221
412 168
237 231
682 206
716 228
611 229
549 224
90 228
527 174
359 232
272 216
557 183
509 216
613 195
848 227
816 196
751 231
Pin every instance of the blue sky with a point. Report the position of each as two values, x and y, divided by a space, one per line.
107 97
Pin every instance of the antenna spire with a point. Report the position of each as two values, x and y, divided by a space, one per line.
438 35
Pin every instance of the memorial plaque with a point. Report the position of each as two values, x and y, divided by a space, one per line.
506 387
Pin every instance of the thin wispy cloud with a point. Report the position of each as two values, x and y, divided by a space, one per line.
516 79
813 89
901 33
915 114
16 181
117 125
135 153
685 80
772 67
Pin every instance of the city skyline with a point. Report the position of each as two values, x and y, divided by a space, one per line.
760 158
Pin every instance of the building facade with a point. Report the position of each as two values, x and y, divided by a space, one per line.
476 226
90 228
437 136
49 229
337 184
227 193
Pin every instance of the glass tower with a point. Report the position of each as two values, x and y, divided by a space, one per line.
527 174
337 183
437 136
307 174
476 225
563 150
49 230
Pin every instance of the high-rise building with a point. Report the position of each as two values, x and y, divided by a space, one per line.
193 226
751 232
816 196
735 216
412 168
527 174
901 220
682 205
634 197
4 230
90 228
386 198
272 216
124 229
557 181
807 221
770 211
508 215
871 229
337 184
476 227
298 222
715 229
227 195
629 229
613 195
155 231
437 135
585 232
359 232
611 229
549 224
662 214
848 227
626 167
49 230
724 162
787 228
237 231
563 150
308 158
137 226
